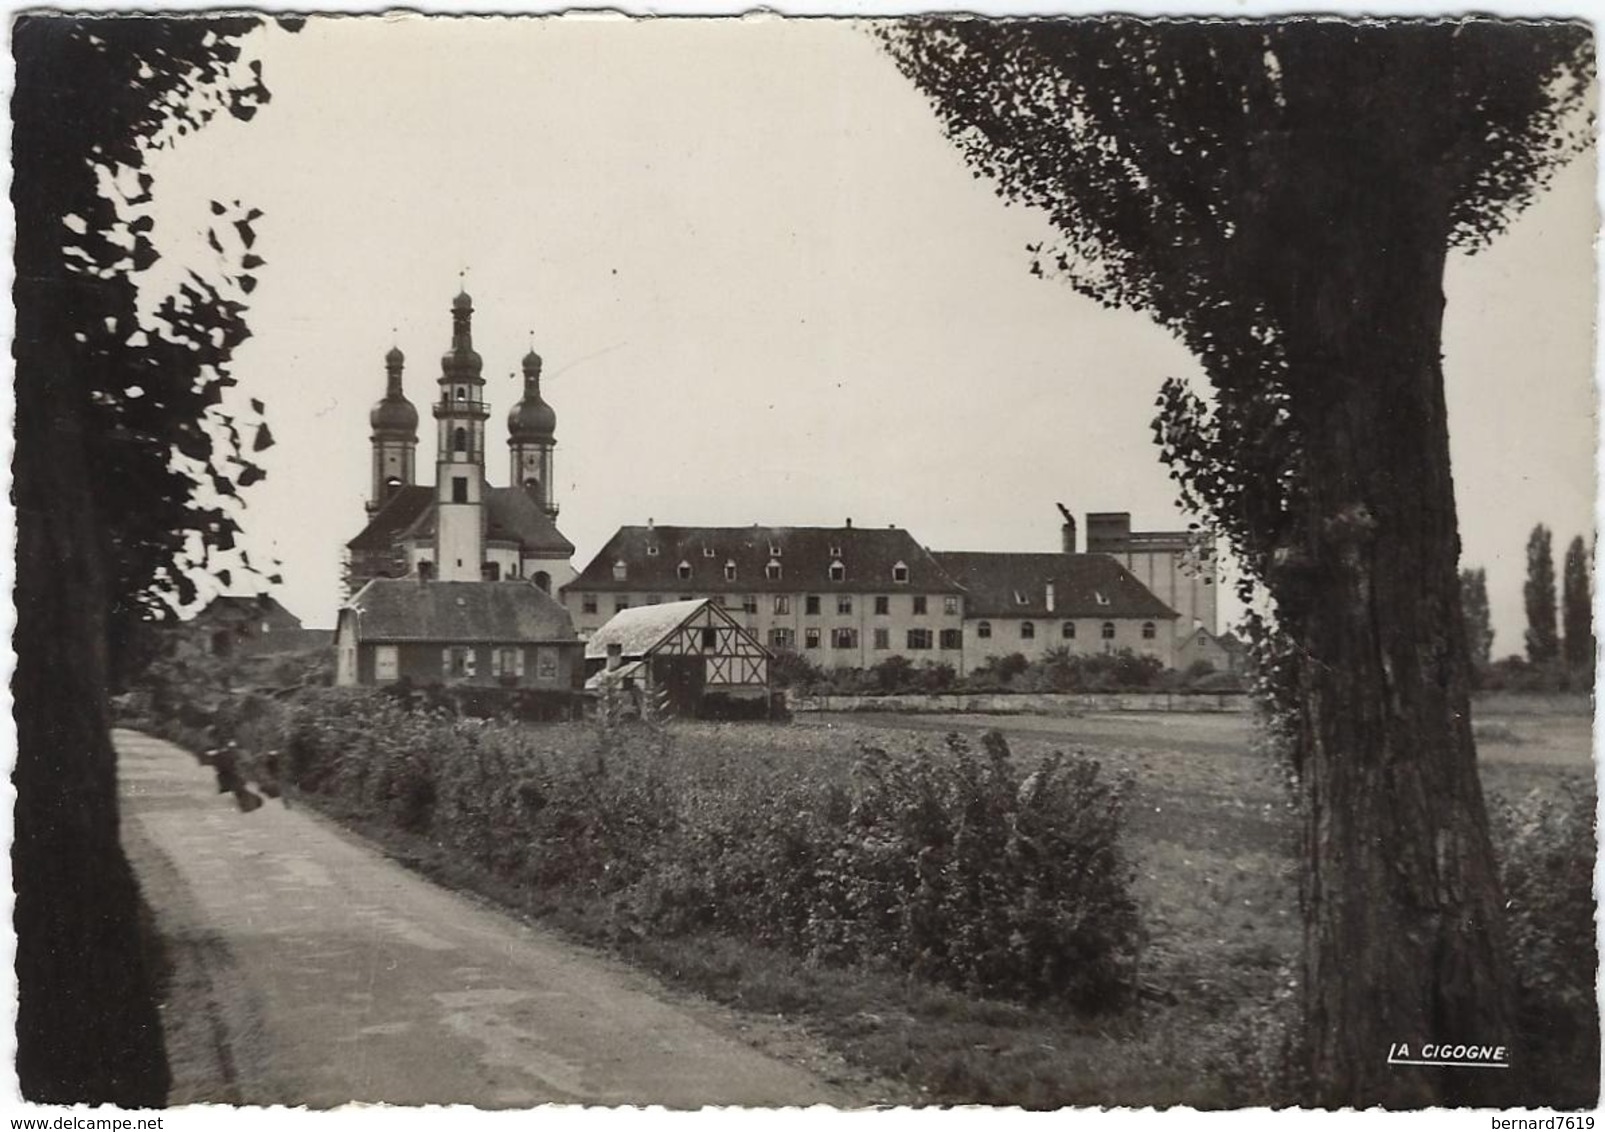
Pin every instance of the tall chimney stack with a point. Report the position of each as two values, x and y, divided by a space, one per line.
1068 531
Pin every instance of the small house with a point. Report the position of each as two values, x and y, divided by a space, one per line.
690 656
490 634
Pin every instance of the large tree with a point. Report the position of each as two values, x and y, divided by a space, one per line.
116 427
1283 196
1479 616
1577 609
1538 594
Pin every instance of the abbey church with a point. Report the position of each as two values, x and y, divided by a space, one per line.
501 601
459 528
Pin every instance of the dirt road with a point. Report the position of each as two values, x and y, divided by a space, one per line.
313 971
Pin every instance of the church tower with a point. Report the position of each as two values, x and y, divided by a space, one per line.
394 421
460 414
531 437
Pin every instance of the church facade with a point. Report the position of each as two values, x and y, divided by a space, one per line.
460 528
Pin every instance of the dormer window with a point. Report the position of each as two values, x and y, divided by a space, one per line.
835 550
772 571
621 570
900 573
729 570
684 569
707 552
838 572
651 550
1100 598
1019 598
774 550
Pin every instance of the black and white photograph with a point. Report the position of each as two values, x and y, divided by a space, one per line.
842 560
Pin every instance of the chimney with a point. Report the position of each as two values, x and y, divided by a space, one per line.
615 653
649 523
849 524
1067 532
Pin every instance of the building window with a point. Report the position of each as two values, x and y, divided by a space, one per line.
1148 630
844 638
1028 630
621 570
459 489
1068 630
844 604
588 603
835 550
782 603
488 572
546 663
1108 631
919 639
620 604
950 605
1020 598
782 638
651 550
707 552
952 638
710 637
1100 598
811 638
983 629
883 638
900 573
883 605
385 664
811 605
749 603
457 662
459 440
919 605
684 569
838 572
426 569
507 663
774 550
772 571
729 570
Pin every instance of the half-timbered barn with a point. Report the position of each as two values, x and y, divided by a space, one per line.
689 657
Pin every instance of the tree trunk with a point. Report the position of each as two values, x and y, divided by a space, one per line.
1404 939
87 1026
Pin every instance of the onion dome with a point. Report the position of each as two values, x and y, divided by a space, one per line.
394 416
462 362
532 418
462 302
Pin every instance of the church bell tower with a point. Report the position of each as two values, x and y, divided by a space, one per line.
460 416
531 437
394 421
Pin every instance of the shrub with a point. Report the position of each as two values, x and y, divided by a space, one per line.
1547 847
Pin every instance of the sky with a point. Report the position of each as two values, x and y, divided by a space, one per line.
766 289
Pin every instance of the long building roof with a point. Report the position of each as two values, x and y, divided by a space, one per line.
1000 584
703 560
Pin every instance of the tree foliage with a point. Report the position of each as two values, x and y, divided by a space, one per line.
121 485
1543 636
95 98
1479 616
1282 196
1577 602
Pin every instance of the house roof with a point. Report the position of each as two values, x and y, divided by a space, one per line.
511 515
399 513
256 607
1084 585
406 609
642 628
652 557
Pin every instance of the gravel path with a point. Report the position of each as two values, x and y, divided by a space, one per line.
310 970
